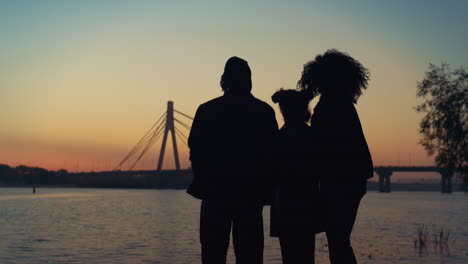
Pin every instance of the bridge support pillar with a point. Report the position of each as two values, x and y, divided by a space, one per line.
446 181
169 129
384 181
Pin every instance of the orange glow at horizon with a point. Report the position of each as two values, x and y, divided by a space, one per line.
80 86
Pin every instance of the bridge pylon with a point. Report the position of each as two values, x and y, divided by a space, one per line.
162 127
170 128
384 180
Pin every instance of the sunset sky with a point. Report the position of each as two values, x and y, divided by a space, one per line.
82 81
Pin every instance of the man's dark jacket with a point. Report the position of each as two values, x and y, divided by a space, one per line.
230 148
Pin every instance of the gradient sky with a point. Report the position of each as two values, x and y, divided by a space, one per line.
82 81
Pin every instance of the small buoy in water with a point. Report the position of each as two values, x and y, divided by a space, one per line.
34 189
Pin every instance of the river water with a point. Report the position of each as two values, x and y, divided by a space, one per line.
161 226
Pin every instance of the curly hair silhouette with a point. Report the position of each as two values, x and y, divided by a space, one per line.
334 74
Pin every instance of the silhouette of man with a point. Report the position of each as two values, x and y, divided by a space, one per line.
230 144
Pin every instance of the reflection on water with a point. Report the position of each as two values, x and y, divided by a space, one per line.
161 226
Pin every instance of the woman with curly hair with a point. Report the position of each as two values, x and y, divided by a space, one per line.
341 158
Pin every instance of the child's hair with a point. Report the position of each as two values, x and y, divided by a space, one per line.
294 105
334 74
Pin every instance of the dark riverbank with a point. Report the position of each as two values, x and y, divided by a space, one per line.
38 186
167 184
23 176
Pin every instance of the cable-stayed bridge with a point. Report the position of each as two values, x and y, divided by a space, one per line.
166 124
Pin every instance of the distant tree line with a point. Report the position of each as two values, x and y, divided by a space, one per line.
24 175
32 175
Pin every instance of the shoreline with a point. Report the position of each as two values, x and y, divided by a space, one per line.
372 186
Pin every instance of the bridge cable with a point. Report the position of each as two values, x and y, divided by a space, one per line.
181 136
178 135
182 123
150 143
187 116
142 140
137 146
142 143
177 129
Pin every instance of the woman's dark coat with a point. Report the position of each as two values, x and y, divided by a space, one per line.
295 207
341 157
